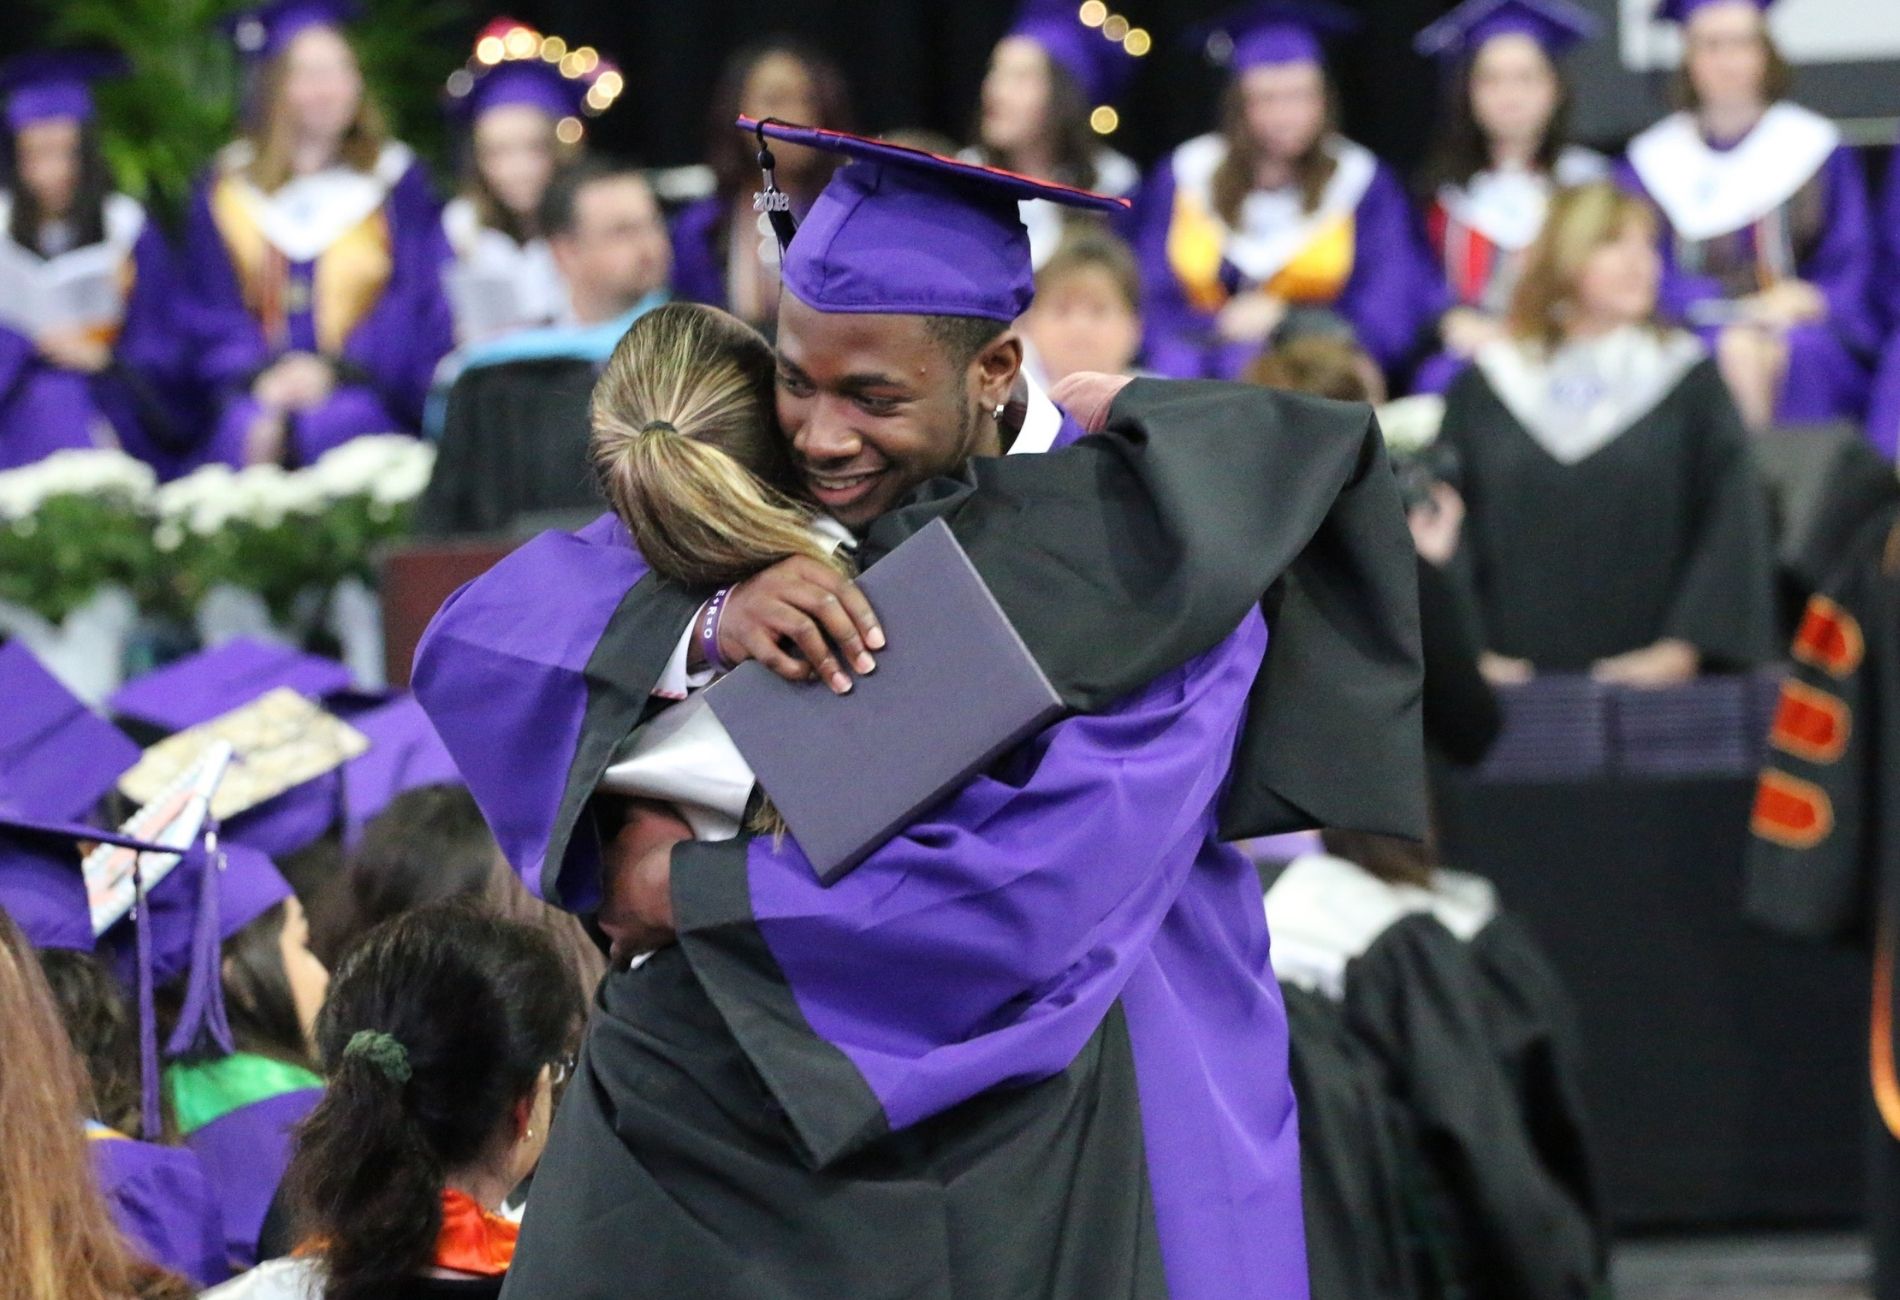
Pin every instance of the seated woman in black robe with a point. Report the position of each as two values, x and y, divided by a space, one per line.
1616 525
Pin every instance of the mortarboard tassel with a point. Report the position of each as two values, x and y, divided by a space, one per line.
773 201
203 1010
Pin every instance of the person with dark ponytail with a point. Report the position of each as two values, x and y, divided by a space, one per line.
445 1037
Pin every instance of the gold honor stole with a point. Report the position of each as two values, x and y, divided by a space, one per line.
347 278
1307 259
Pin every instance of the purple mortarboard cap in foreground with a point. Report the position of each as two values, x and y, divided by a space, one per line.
1100 66
404 753
57 757
55 85
211 684
41 886
262 32
1556 25
1275 32
901 231
1681 11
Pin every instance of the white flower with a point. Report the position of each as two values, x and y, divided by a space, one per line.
404 480
184 497
357 466
1411 423
75 472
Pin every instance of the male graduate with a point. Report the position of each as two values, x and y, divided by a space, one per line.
1033 1045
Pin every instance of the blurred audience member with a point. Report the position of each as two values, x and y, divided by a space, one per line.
57 1239
1050 79
1277 210
1616 524
1769 244
1503 145
728 256
445 1040
512 115
1087 311
313 255
514 430
98 360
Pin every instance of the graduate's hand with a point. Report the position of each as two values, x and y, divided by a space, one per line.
1086 395
1502 670
295 382
1788 303
1465 330
801 619
1250 317
1437 524
1669 662
73 348
636 907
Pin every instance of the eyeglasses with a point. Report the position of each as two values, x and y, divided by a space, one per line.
561 1069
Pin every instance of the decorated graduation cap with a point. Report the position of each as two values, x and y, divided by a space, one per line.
41 886
263 32
1272 33
1556 25
274 704
902 231
1098 49
1681 11
55 85
57 757
515 64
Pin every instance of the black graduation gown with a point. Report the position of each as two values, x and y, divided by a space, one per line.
514 444
1824 858
1359 1162
1660 533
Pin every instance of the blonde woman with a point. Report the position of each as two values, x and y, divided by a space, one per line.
1615 524
314 253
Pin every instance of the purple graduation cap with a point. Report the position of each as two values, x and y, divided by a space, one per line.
1099 61
209 685
1275 32
1681 11
262 32
404 753
902 231
515 64
54 85
57 757
43 889
1556 25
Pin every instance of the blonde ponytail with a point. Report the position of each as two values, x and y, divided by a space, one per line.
687 450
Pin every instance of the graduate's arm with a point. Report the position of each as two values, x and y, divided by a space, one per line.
228 346
1724 603
984 945
1841 268
533 674
1134 550
396 347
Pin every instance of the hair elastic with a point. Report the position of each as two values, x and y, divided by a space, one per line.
663 426
383 1051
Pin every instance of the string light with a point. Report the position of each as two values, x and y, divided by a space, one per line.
1115 27
553 49
1093 13
571 64
569 130
589 59
490 50
521 43
461 81
1137 42
610 84
1104 120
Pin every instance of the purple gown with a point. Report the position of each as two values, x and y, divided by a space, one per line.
699 251
1391 298
161 1200
1883 409
384 364
1830 229
136 400
245 1153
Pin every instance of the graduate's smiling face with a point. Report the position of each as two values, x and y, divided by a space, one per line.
874 405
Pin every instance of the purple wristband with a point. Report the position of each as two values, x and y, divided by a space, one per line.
709 631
